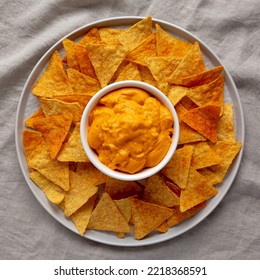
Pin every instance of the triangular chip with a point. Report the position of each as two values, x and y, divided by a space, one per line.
53 81
147 217
191 64
106 216
146 75
54 130
202 78
72 150
29 122
91 37
176 93
52 107
204 119
145 49
225 129
156 191
71 56
81 217
53 192
129 72
135 34
82 84
168 45
198 190
203 156
110 35
105 60
79 193
39 159
211 177
178 167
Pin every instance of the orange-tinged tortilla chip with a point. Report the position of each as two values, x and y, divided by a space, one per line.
53 192
79 193
225 128
54 130
198 190
147 217
162 227
202 78
191 64
178 216
71 57
156 191
174 188
29 122
39 159
146 75
82 84
168 45
178 167
91 37
204 119
110 35
105 60
78 98
81 217
106 216
208 93
176 93
211 177
53 81
146 48
72 150
52 107
135 34
204 156
187 103
129 72
125 207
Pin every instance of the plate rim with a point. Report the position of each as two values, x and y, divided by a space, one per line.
19 126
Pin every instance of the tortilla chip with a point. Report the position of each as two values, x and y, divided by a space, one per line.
71 56
39 159
208 93
82 100
147 217
106 216
156 191
187 103
162 227
178 217
129 72
82 84
174 188
110 35
52 107
191 64
204 119
146 48
225 128
91 37
79 193
146 75
54 130
178 167
53 192
176 93
53 81
105 60
204 156
198 190
211 177
135 34
72 150
202 78
29 122
81 217
168 45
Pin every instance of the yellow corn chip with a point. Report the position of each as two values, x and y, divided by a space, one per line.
146 75
162 227
53 192
129 72
29 122
78 98
147 217
204 119
191 64
225 128
71 56
105 60
72 150
79 193
54 130
91 37
106 216
39 159
198 190
53 81
168 45
178 167
211 177
110 35
135 34
156 191
176 93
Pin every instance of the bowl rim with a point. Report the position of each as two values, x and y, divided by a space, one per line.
92 156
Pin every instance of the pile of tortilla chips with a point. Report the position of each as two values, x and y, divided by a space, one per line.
207 144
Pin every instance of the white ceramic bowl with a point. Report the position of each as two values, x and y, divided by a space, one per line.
92 155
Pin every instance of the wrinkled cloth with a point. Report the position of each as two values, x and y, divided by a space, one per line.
230 28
